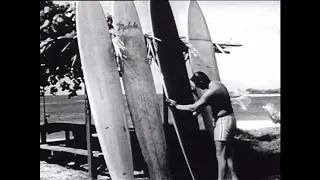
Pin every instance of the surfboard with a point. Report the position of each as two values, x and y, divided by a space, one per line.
205 61
103 88
199 37
140 89
182 159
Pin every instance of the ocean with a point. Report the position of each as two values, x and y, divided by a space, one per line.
62 109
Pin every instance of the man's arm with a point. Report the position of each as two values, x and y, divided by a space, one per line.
191 107
198 105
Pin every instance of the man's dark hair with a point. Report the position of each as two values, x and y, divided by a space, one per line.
201 80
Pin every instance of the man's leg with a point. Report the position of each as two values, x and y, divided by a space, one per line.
230 160
221 157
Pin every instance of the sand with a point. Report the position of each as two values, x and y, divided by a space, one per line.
258 153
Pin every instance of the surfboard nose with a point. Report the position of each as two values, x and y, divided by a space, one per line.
163 19
195 16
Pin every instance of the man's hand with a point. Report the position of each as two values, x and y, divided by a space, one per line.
171 102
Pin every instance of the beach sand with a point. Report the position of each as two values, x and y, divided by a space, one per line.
257 157
255 124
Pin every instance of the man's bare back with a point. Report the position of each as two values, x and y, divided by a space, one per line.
219 100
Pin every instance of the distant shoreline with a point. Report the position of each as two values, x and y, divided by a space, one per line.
264 95
249 95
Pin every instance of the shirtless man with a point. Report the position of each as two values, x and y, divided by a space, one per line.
216 96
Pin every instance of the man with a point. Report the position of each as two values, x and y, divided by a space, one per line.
216 96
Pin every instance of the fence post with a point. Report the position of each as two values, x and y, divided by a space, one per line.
92 173
43 130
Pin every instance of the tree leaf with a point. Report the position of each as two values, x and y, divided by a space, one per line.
53 90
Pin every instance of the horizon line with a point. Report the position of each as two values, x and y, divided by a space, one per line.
249 95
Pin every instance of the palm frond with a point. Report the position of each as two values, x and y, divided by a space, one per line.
119 48
273 113
240 99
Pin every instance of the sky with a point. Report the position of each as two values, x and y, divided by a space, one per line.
254 24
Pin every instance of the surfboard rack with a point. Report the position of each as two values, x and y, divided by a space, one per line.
67 127
59 148
54 145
